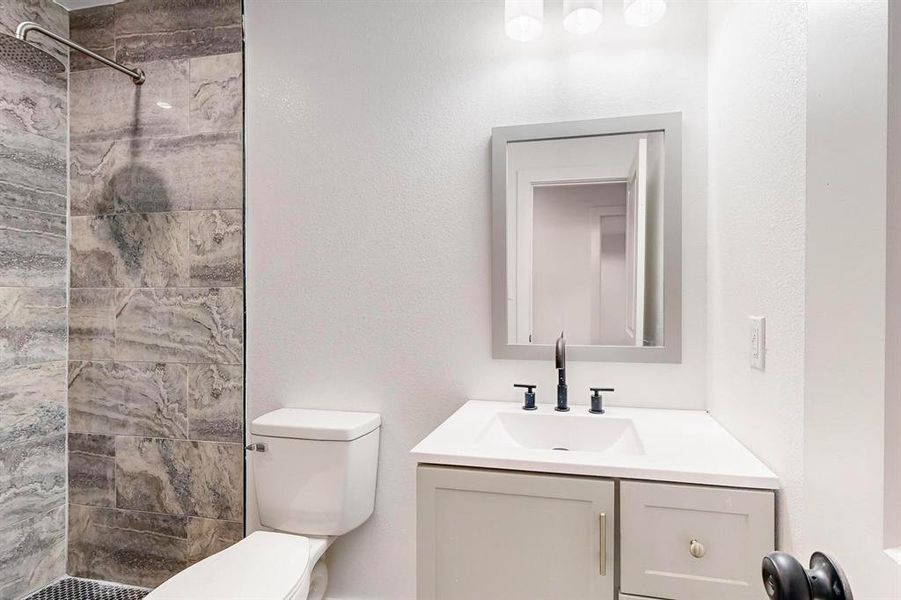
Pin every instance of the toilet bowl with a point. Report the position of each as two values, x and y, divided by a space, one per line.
314 472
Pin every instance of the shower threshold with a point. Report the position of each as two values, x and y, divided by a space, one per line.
73 588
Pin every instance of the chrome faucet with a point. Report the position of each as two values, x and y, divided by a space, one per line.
562 405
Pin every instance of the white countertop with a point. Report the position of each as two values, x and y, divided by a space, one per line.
683 446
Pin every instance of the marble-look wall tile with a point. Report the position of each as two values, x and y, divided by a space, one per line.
92 469
216 403
194 325
169 29
105 105
203 479
178 44
208 536
129 250
33 207
148 399
34 102
216 248
217 93
159 174
32 477
135 548
32 553
29 198
93 28
32 325
140 548
32 248
139 17
196 248
32 172
91 323
156 331
32 402
180 325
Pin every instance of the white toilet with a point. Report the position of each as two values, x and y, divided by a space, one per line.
314 475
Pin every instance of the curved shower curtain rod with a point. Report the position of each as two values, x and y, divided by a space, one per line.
137 75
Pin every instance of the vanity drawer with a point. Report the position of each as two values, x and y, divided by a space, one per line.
733 530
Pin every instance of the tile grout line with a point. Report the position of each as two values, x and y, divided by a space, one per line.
86 139
148 437
143 362
150 512
152 288
33 211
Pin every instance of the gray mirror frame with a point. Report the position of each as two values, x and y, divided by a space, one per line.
671 125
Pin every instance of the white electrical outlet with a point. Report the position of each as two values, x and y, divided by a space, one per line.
758 342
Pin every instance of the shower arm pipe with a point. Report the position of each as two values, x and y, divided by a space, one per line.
137 75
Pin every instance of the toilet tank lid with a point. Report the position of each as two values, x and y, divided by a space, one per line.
309 424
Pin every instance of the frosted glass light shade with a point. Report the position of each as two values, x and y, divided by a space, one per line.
524 19
582 17
642 13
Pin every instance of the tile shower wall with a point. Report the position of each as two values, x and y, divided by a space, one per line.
156 334
33 130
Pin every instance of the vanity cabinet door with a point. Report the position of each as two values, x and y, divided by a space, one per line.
687 542
501 534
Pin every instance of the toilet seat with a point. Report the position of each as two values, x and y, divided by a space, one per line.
263 566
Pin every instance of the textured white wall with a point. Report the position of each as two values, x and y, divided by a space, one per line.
797 194
756 169
368 229
844 424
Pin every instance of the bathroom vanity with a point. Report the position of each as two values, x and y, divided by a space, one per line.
632 504
629 504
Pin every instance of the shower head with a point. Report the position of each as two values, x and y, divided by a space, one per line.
28 57
19 54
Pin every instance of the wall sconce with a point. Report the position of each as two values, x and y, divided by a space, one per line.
642 13
524 19
582 17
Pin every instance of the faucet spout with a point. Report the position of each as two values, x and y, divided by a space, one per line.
560 355
561 352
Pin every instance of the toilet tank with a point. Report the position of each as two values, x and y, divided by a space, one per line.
316 471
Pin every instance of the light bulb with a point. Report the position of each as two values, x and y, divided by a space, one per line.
642 13
524 19
582 16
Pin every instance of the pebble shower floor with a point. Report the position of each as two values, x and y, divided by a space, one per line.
84 589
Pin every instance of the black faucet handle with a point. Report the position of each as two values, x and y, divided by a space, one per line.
529 395
597 402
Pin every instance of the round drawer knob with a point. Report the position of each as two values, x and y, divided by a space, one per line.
696 549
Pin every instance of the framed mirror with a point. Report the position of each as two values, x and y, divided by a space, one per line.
587 240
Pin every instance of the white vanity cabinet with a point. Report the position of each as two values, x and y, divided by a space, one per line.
485 533
499 534
505 513
693 542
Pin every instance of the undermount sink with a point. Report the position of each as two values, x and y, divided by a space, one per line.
562 432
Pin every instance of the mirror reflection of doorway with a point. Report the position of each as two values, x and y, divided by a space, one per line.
579 263
585 245
611 313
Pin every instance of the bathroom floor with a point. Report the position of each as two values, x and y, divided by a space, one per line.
71 588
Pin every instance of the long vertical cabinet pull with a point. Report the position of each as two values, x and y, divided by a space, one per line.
602 522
